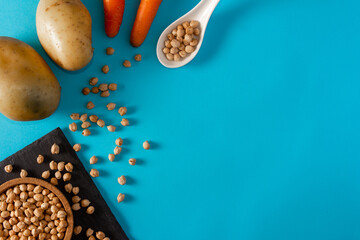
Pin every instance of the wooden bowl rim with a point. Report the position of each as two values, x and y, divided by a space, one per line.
52 188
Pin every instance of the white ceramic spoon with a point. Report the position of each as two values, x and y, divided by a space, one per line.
201 13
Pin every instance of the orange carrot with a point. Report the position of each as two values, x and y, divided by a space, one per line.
144 18
113 11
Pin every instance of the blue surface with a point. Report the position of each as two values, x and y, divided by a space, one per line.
257 138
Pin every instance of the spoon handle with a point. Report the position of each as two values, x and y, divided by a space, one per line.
208 7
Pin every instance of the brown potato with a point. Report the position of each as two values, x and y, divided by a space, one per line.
28 88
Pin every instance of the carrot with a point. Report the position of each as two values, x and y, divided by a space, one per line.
144 18
113 11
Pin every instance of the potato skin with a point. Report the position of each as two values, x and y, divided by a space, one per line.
64 31
29 89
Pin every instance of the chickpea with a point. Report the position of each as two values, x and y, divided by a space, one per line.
86 132
174 50
119 141
73 127
180 32
77 230
180 27
146 145
124 122
90 210
189 49
76 207
170 36
54 181
55 149
67 177
105 93
100 123
94 173
45 174
86 124
110 51
89 232
111 106
166 50
186 24
138 57
196 31
90 105
100 235
93 118
93 160
170 56
61 166
105 69
95 90
76 190
182 47
77 147
112 86
83 117
167 44
85 203
188 38
182 54
177 57
69 167
85 91
120 197
93 81
23 173
75 199
189 30
75 116
194 24
175 43
132 161
111 128
103 87
117 150
8 168
68 187
174 32
194 42
122 111
122 180
111 157
127 63
58 175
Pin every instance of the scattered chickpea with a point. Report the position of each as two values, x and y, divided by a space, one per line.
90 105
85 203
120 197
90 210
58 175
83 117
8 168
111 157
103 87
122 111
86 132
75 199
124 122
95 90
93 160
117 150
91 238
111 106
132 161
75 116
122 180
77 230
100 235
119 141
67 177
77 147
110 51
93 81
61 166
76 190
105 93
53 165
105 69
86 124
73 127
146 145
54 181
55 149
100 123
85 90
111 128
112 86
45 174
127 63
94 173
138 57
89 232
68 187
69 167
75 207
93 118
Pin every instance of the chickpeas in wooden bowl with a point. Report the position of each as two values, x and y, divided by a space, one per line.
31 208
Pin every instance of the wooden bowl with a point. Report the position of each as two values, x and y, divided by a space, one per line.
52 188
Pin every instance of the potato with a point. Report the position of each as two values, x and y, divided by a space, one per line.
64 31
28 88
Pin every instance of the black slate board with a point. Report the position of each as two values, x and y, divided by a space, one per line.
102 219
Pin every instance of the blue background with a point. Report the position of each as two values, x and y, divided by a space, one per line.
257 138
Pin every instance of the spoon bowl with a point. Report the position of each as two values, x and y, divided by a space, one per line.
201 13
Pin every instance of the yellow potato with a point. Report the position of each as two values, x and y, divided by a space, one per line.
64 31
28 88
